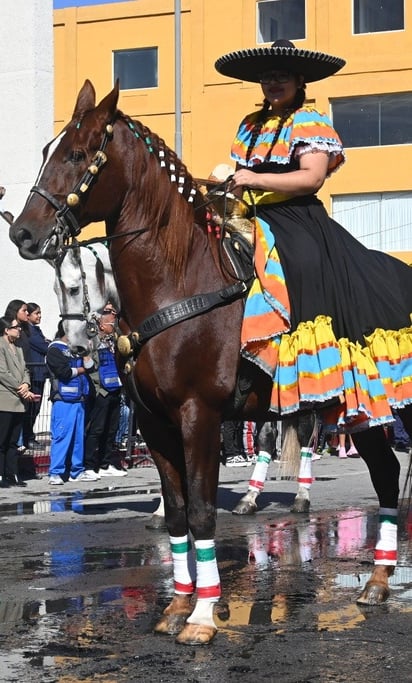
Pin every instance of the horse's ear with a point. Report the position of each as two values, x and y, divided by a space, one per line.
86 100
108 106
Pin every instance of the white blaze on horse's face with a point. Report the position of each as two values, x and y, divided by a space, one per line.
50 151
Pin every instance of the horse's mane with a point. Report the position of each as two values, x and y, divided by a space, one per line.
170 200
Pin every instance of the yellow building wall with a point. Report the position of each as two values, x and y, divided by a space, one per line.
213 105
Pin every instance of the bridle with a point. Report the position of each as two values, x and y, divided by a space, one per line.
84 315
67 224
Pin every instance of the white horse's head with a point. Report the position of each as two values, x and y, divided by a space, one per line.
84 283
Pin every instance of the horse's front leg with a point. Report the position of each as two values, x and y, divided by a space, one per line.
166 448
384 470
201 437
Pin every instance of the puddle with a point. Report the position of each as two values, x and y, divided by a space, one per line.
280 578
90 502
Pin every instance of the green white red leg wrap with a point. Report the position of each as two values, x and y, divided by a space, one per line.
305 478
257 480
184 566
386 549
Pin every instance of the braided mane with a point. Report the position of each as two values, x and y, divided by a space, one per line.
170 200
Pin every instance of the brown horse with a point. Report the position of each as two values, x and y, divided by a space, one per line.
180 297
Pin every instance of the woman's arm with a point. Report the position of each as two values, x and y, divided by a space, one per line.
309 178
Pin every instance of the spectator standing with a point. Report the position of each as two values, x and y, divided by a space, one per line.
69 392
232 448
38 345
402 442
17 309
104 416
14 390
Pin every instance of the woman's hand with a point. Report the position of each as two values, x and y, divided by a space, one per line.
244 178
24 391
34 398
308 179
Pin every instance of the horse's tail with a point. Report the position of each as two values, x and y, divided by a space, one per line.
290 452
406 498
297 432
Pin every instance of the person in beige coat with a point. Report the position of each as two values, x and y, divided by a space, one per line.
14 391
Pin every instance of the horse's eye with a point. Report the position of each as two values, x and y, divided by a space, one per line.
74 291
76 156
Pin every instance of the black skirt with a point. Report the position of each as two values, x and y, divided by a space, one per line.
328 272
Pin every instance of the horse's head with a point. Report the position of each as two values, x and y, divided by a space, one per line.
83 284
66 195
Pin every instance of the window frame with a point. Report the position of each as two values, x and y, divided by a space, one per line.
259 37
370 32
116 52
379 100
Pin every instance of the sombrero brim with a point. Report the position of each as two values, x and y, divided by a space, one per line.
248 65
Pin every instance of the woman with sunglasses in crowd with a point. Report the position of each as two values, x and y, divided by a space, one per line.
14 392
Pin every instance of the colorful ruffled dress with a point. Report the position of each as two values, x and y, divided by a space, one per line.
328 319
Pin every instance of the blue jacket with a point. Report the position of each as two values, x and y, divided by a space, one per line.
38 348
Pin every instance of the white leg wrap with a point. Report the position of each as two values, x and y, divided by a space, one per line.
257 480
184 567
305 470
208 583
386 549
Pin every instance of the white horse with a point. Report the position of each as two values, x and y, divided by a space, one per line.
84 283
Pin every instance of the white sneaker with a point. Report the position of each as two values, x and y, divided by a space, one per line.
55 480
112 471
237 461
86 475
93 474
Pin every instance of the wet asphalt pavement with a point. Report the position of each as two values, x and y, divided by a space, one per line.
83 582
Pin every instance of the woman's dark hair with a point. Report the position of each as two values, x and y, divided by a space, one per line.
11 312
31 307
5 323
12 307
60 330
263 115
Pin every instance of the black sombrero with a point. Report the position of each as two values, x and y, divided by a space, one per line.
248 65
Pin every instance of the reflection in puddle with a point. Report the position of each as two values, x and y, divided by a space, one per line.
90 502
286 576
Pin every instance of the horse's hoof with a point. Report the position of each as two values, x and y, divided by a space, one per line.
373 594
170 624
300 505
156 522
245 507
196 634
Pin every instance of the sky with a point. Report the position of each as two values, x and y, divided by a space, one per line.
60 4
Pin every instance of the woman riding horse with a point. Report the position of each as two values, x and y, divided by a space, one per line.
185 309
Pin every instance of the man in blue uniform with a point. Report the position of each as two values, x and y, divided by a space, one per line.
69 392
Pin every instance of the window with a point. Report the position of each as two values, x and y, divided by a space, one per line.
374 120
136 68
371 16
379 220
280 19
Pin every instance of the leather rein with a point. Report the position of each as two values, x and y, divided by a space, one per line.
68 226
